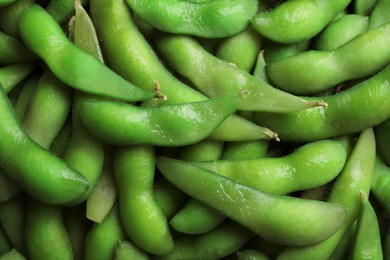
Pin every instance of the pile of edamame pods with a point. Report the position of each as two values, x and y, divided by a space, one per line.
194 129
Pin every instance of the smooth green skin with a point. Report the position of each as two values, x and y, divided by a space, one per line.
362 106
281 219
25 94
216 244
215 77
342 250
137 62
341 31
245 150
165 125
103 196
367 242
77 227
380 186
9 16
274 51
48 109
36 171
211 19
6 2
8 189
102 238
364 7
12 219
44 226
259 69
251 254
142 218
355 178
310 166
85 152
195 217
61 10
126 250
297 20
241 49
13 254
41 33
313 71
13 74
61 141
380 14
13 50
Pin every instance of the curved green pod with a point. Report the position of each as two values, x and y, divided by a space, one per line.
312 71
9 16
210 19
380 186
6 2
48 179
310 166
380 14
215 77
61 10
351 111
295 21
41 33
137 62
12 50
282 219
165 125
125 250
13 74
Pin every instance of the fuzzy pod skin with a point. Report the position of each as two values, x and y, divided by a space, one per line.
310 166
165 125
208 19
137 62
41 33
288 220
295 21
313 71
351 111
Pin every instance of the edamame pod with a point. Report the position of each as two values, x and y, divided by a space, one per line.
351 111
36 171
126 250
76 68
295 21
364 7
380 186
165 125
289 220
61 10
13 50
215 77
380 14
313 71
310 166
6 2
210 19
9 16
13 74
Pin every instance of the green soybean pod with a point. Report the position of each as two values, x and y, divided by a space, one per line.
241 49
364 7
345 192
274 51
351 111
85 152
40 32
165 125
342 250
323 159
215 244
251 254
215 77
13 254
126 250
12 219
61 10
6 2
382 134
380 14
341 31
142 218
102 238
13 74
313 71
9 16
289 220
44 223
61 141
12 50
25 94
49 178
367 243
210 19
295 21
114 26
8 189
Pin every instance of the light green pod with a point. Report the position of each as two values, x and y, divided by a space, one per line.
251 254
125 250
13 254
13 74
12 50
310 166
380 186
289 220
9 16
380 14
